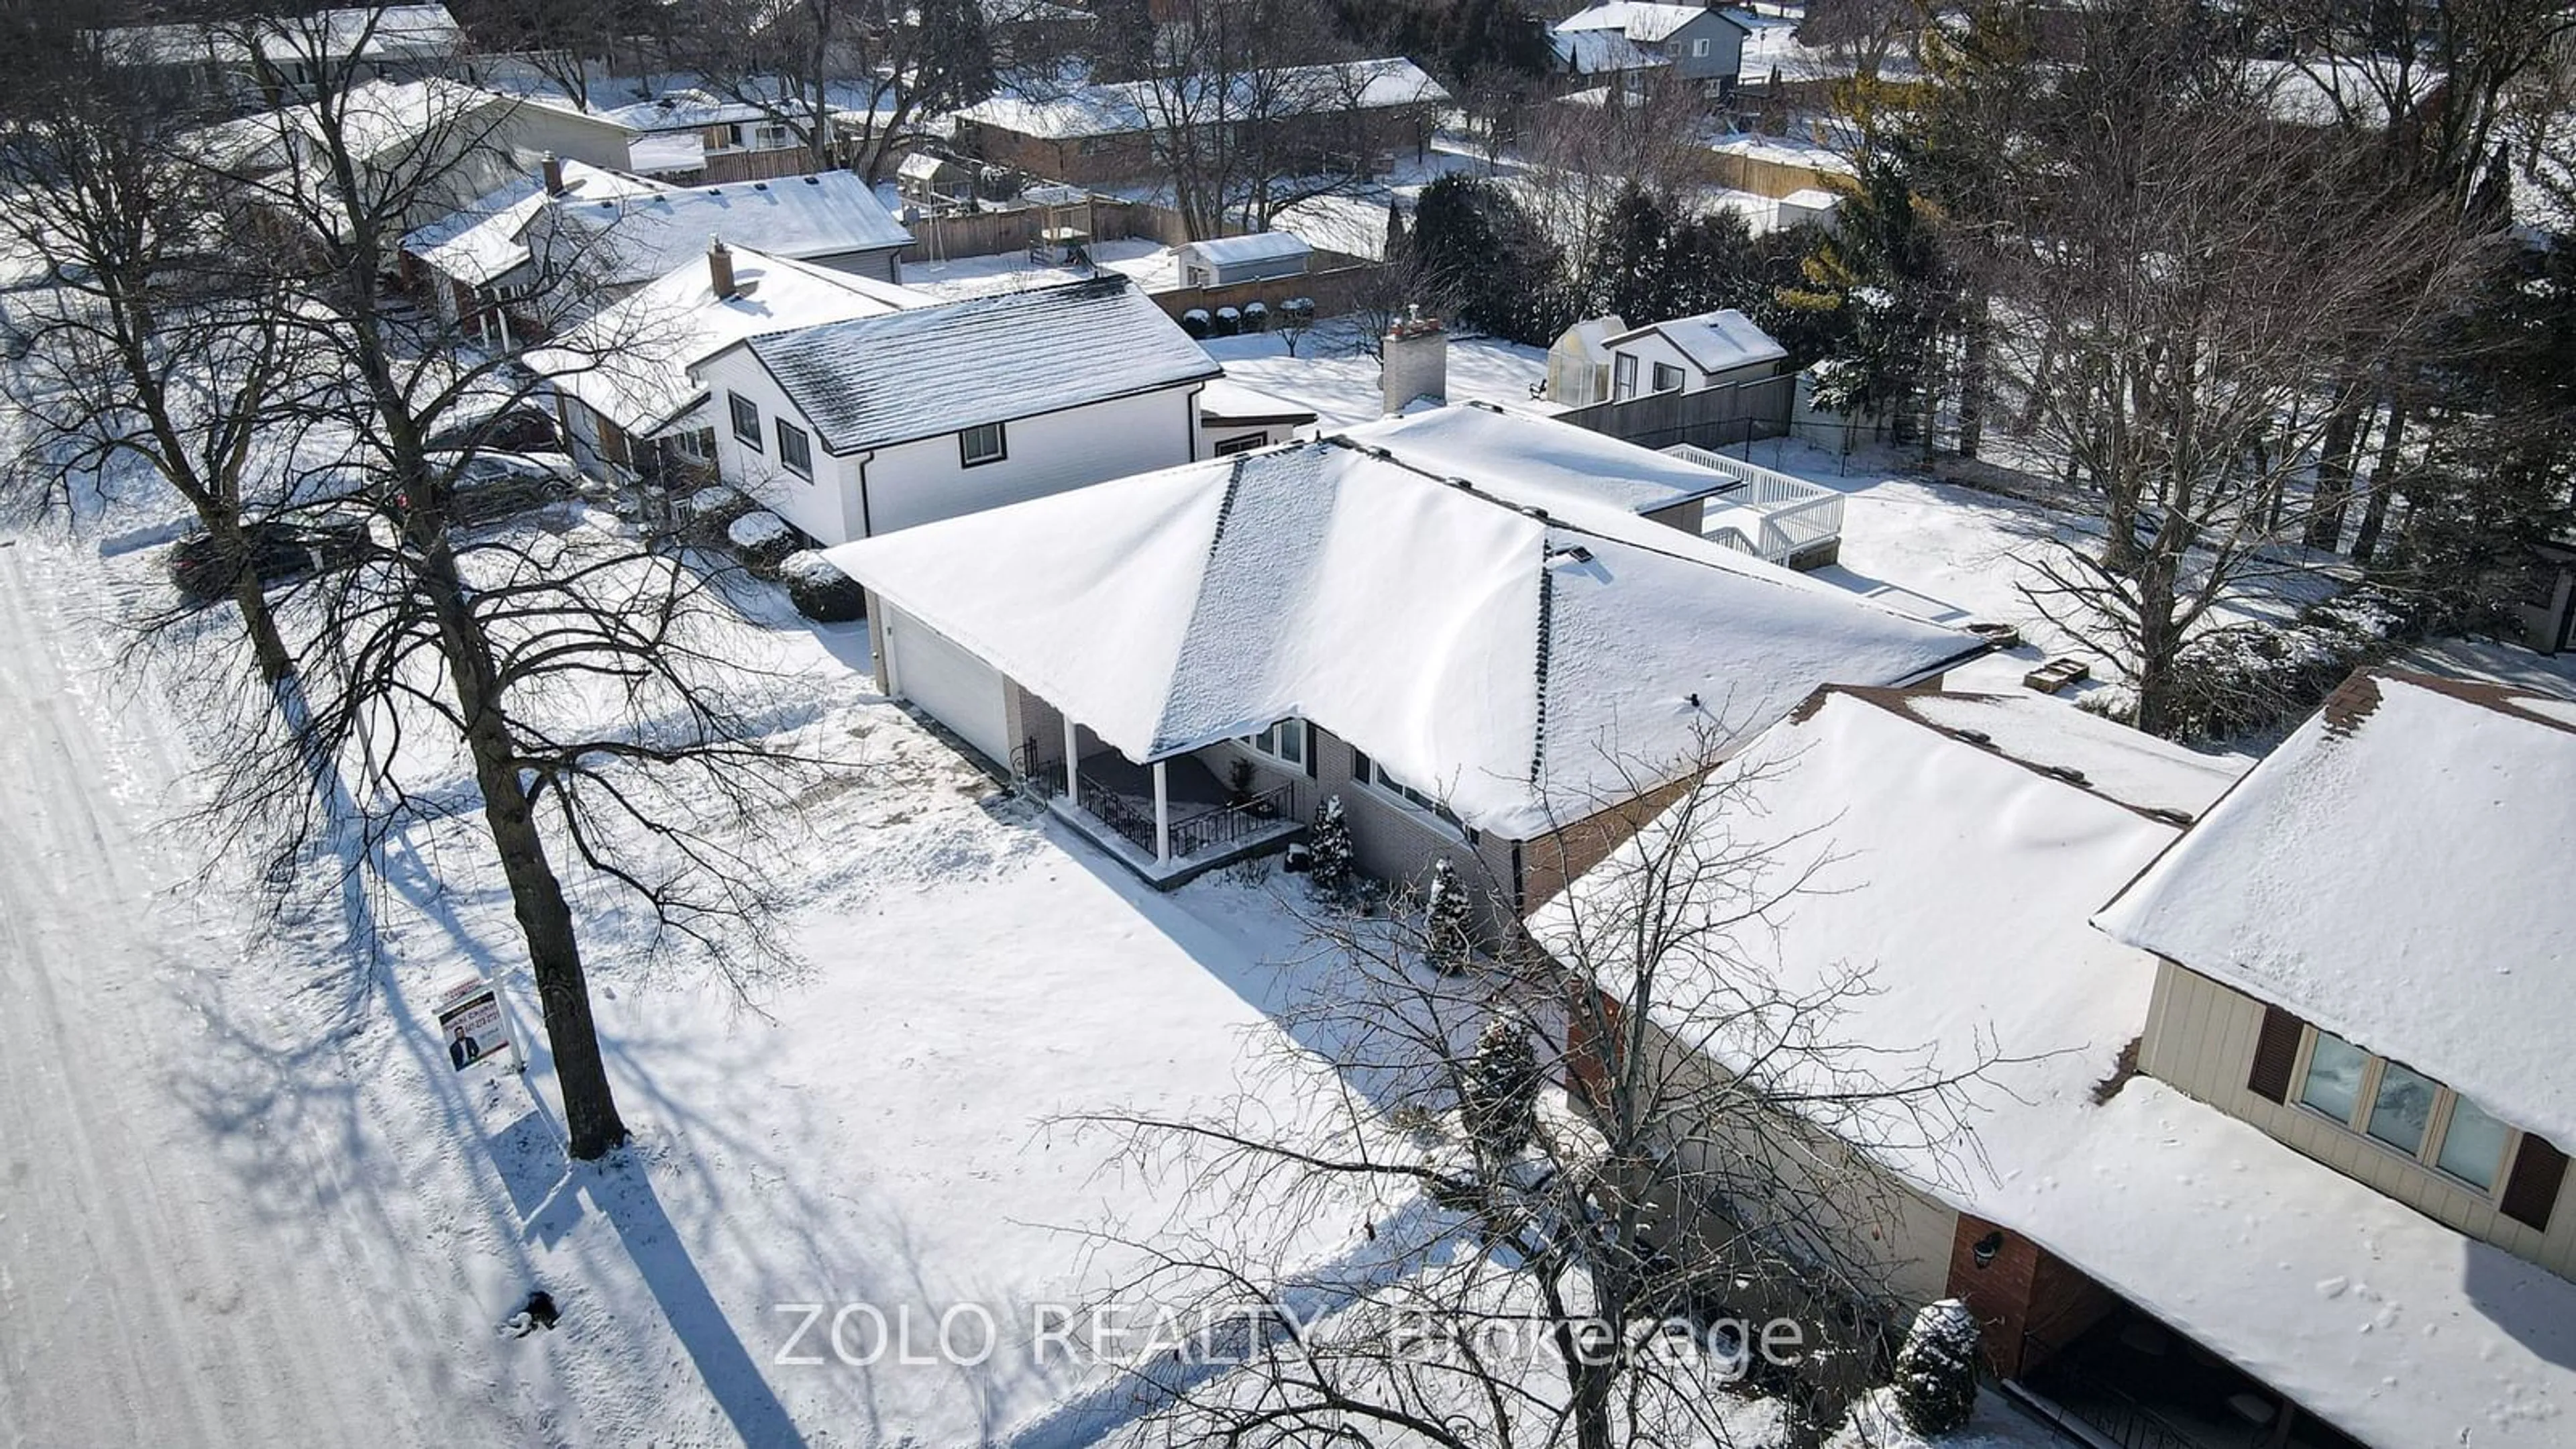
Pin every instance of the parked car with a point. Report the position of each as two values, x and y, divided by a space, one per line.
521 429
204 570
492 486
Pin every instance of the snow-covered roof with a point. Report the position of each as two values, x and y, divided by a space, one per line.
801 217
1130 106
1355 226
1521 653
1771 45
384 33
1548 463
1259 246
1224 400
2397 873
1958 875
376 117
487 238
1638 20
631 360
878 381
668 153
1601 52
1713 341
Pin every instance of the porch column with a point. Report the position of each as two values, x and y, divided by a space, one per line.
1162 816
1072 762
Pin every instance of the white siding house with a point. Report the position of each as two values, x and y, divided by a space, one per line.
881 423
1690 354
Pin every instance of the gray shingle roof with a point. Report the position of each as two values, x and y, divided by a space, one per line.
875 381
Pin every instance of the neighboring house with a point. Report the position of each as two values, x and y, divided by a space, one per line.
2232 1195
687 134
1237 419
833 220
1687 354
1637 44
1485 654
883 423
1346 115
929 179
1578 362
278 60
1223 261
625 394
475 265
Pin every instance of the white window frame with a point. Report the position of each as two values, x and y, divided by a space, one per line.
1623 376
2437 1126
1699 48
1273 743
736 407
804 445
1680 380
966 454
1420 802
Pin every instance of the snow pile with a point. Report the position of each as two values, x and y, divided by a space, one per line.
820 591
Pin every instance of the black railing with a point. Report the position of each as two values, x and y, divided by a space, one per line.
2061 1393
1117 812
1228 824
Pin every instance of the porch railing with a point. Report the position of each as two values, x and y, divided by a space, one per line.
1231 824
1116 811
2108 1411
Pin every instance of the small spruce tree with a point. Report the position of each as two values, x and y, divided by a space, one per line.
1500 1101
1448 938
1332 863
1936 1370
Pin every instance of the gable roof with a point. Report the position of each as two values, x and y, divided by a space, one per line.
1125 107
800 217
1520 652
1713 341
1954 875
383 33
1640 21
631 361
1259 246
877 381
487 238
2397 873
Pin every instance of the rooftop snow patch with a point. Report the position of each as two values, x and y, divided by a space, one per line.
882 380
630 362
1521 652
2396 873
1225 401
1128 107
1639 21
802 218
487 239
1259 246
1544 461
1713 341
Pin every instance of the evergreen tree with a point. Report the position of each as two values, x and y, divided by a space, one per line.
1499 1102
1333 864
1633 271
1489 261
1449 938
1936 1370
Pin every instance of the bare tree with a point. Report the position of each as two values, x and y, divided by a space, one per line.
1537 1266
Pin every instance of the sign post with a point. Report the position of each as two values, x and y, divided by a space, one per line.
471 1025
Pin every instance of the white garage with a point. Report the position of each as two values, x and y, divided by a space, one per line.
949 684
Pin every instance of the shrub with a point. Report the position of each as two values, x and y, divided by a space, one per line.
820 591
706 513
1448 939
762 540
1256 317
2262 677
1195 323
1500 1105
1331 859
1936 1370
1297 312
1228 321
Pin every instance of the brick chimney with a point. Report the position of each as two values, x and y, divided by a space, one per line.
553 169
1413 362
720 266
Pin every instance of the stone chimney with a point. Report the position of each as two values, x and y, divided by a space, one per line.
553 169
1413 362
720 267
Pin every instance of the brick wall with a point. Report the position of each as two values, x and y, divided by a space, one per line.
2031 1302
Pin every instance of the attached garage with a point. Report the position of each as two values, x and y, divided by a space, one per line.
947 683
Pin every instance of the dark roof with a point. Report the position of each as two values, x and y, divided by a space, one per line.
875 381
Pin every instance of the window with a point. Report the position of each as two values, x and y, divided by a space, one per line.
1284 741
746 420
1667 379
2401 1111
1623 377
698 445
1244 444
794 450
770 136
982 443
1430 805
2334 1077
1699 48
2473 1145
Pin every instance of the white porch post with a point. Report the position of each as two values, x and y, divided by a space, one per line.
1072 762
1162 816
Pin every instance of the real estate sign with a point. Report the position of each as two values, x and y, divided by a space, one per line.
470 1022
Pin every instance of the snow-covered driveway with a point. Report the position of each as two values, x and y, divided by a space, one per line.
145 1296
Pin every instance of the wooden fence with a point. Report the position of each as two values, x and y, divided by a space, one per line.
1719 417
1336 290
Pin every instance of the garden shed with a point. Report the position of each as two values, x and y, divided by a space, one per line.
1223 261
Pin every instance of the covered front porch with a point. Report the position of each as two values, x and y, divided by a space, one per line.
1170 820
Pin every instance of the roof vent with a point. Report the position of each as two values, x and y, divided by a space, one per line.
1974 737
760 186
813 180
2068 773
1468 484
1534 511
1573 553
2170 816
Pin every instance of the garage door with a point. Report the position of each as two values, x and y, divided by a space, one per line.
951 685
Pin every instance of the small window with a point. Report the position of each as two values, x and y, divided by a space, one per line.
794 450
2334 1077
1244 444
771 137
1623 377
1418 799
1699 47
746 420
982 443
2473 1145
1667 378
698 445
1284 741
2401 1111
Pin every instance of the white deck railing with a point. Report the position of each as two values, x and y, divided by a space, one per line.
1795 515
